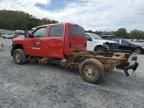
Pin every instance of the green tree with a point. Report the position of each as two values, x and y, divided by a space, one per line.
121 33
13 20
137 34
98 32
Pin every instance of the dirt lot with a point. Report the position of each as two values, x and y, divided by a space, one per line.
49 86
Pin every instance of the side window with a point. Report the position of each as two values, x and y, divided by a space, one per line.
40 32
88 37
56 30
125 42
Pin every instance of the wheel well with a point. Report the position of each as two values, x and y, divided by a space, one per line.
138 48
17 46
98 47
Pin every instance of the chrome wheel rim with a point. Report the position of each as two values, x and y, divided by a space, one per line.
99 50
138 51
90 71
17 57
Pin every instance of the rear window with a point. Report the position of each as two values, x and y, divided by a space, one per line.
76 30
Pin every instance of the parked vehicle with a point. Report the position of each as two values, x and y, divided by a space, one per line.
96 43
65 44
129 46
19 33
7 36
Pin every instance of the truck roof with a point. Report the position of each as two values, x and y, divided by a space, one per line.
51 24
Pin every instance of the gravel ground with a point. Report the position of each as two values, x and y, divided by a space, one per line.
49 86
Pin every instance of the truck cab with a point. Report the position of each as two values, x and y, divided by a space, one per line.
52 41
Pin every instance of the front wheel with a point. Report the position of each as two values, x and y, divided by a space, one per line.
91 70
100 49
19 56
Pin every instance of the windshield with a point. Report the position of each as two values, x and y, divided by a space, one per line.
95 36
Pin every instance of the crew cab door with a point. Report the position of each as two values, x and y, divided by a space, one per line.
54 42
37 41
34 44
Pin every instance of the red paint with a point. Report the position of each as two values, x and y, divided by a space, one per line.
52 47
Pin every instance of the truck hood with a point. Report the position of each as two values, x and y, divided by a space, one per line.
18 38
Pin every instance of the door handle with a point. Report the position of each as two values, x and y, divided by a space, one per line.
41 39
36 44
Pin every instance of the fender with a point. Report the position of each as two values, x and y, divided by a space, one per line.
16 46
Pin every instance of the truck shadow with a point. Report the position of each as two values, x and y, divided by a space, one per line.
56 68
114 80
118 80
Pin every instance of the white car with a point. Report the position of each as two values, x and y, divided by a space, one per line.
8 36
96 43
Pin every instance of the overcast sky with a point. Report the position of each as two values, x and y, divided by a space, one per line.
91 14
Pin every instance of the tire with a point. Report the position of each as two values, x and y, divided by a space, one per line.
138 51
19 56
95 72
99 49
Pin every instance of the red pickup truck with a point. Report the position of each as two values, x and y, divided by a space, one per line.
65 44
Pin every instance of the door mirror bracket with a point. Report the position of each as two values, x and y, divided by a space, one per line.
28 34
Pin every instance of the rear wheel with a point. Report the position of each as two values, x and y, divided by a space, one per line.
19 56
91 70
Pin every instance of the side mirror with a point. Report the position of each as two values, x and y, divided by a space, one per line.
27 34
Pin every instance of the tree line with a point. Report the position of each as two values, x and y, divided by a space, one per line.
13 20
123 33
134 34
